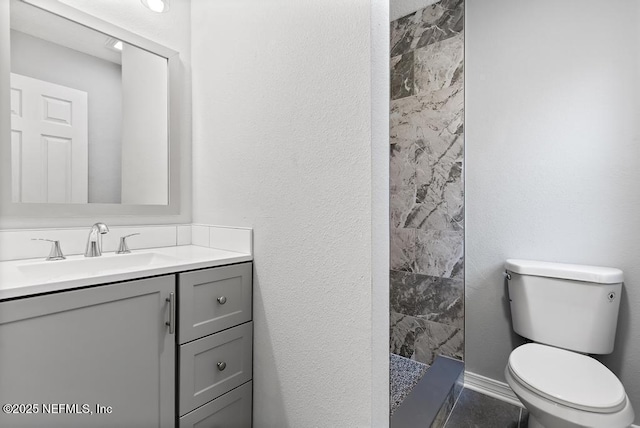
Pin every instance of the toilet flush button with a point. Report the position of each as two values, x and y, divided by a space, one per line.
611 296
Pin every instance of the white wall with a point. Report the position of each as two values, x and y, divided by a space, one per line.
552 159
283 101
101 79
380 251
145 148
170 29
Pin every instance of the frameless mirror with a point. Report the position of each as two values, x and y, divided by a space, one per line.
89 114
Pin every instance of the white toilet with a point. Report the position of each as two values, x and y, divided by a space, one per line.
569 311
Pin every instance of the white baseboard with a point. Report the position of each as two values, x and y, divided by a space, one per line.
490 387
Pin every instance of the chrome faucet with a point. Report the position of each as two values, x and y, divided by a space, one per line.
94 242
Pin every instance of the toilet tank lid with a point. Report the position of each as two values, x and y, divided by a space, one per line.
596 274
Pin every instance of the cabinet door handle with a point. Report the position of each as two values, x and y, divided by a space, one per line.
222 300
222 365
172 313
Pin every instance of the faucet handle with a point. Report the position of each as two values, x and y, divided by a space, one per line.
56 251
123 248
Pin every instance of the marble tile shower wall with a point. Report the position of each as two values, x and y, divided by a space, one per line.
427 201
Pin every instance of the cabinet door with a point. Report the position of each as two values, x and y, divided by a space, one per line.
214 299
94 357
232 410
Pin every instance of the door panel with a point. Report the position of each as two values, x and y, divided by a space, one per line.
57 111
44 113
16 165
58 165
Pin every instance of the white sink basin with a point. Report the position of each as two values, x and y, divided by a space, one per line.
92 266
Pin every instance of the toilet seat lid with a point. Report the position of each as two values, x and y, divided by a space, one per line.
569 378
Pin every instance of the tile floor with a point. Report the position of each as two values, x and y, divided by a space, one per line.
475 410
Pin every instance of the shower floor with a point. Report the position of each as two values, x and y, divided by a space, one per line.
404 375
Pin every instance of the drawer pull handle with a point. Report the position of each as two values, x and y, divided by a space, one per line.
172 313
222 300
222 365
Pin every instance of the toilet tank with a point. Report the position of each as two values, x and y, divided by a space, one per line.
569 306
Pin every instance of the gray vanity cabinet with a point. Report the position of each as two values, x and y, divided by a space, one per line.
105 356
232 410
215 299
93 357
213 365
215 355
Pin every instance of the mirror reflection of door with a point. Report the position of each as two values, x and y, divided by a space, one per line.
49 142
124 147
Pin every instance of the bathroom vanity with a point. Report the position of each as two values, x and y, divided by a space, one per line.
157 338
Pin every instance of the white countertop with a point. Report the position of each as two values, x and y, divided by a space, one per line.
22 278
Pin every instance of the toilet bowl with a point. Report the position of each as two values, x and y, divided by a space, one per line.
564 389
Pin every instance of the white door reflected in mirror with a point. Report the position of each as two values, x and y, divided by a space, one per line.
90 115
49 142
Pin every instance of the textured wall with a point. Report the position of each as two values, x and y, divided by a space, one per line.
283 104
551 159
427 228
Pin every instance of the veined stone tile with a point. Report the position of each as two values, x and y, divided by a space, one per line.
440 339
426 182
435 118
402 182
402 84
423 340
403 33
441 216
402 203
440 253
440 65
439 186
403 249
444 151
438 163
442 208
437 22
427 297
439 181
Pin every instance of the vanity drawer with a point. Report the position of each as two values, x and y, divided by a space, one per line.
212 300
215 364
232 410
